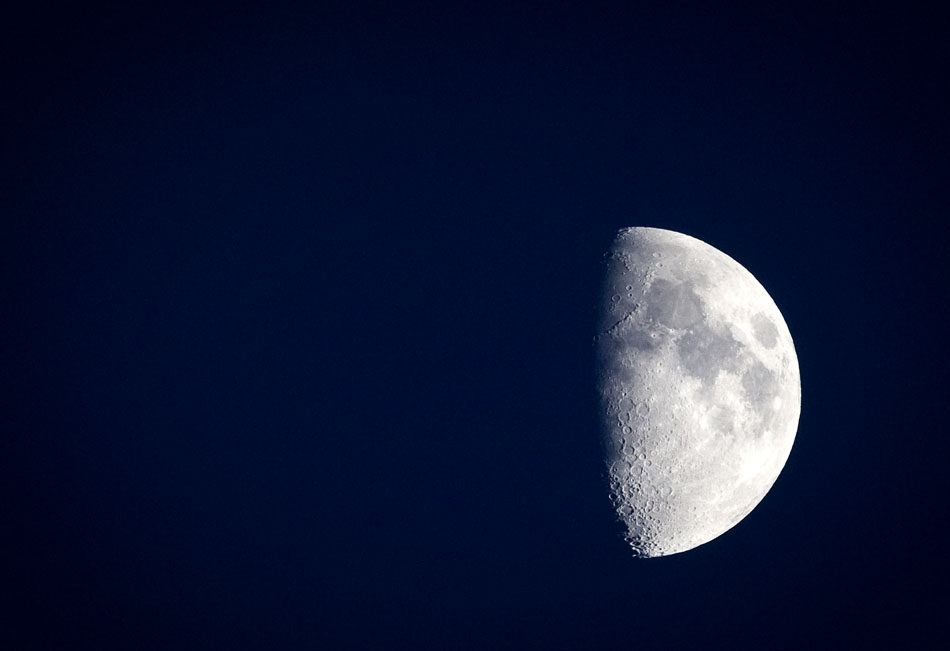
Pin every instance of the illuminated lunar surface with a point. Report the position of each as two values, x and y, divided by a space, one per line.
699 386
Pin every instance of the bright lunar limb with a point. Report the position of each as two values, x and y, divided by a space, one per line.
699 387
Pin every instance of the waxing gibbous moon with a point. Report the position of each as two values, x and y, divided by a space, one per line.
699 386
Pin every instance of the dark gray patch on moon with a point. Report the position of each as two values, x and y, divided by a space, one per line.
674 304
722 419
758 383
665 251
765 330
704 353
641 340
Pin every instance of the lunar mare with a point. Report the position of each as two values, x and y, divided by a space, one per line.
699 387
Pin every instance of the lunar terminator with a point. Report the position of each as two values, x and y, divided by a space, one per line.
699 385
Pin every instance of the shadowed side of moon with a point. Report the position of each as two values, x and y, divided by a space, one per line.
699 387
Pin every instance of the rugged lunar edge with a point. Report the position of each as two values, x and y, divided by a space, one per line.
699 386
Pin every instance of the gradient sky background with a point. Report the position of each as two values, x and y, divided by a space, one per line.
299 307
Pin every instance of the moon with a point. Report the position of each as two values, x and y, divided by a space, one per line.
699 386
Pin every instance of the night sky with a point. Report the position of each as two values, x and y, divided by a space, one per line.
299 305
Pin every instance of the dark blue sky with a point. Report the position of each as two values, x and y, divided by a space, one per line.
300 303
